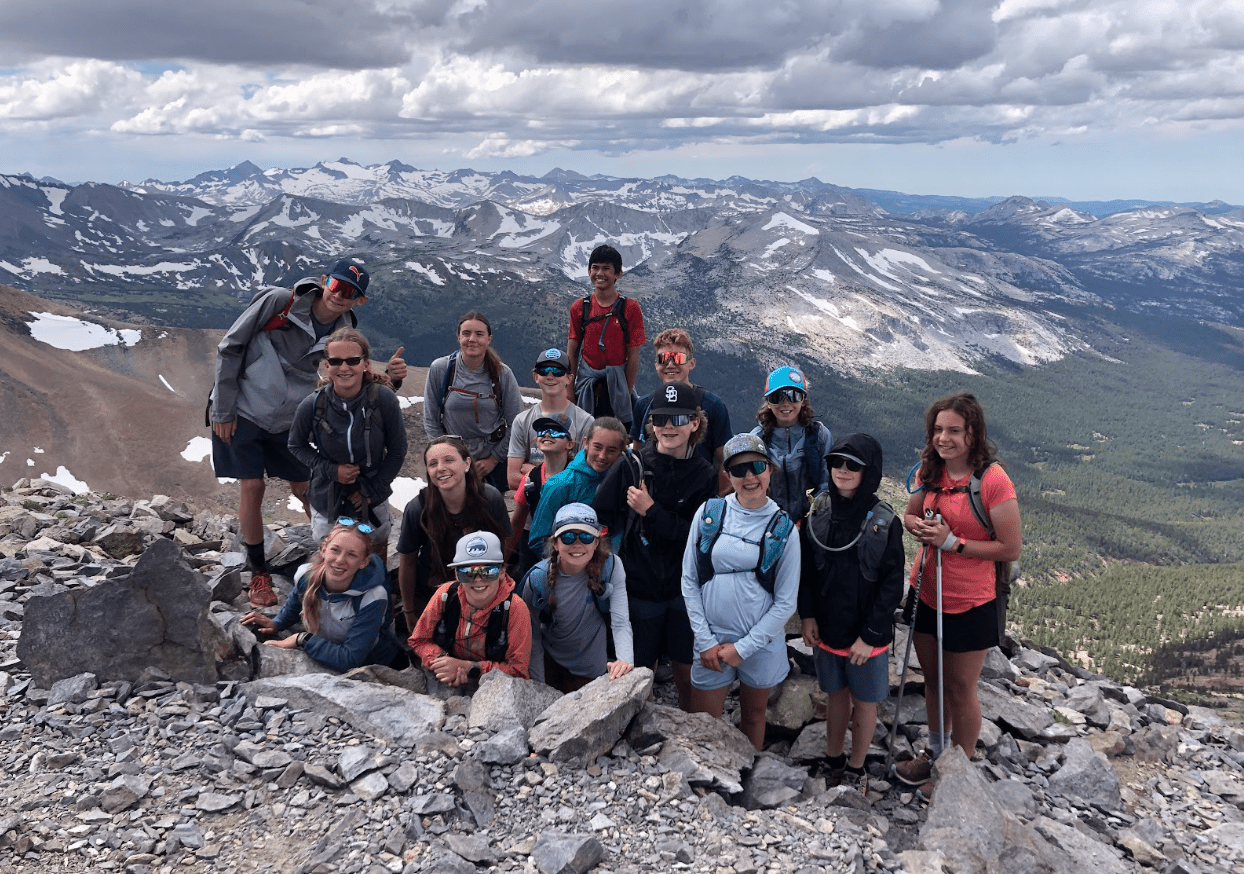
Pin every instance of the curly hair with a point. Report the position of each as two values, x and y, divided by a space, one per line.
768 421
315 577
441 531
981 450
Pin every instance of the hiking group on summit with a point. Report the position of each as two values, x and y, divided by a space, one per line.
642 529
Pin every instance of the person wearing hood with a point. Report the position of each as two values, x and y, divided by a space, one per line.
603 445
343 603
851 581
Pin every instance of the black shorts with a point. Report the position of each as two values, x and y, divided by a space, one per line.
661 628
254 452
973 630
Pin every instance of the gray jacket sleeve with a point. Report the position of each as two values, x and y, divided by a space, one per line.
231 352
432 398
300 442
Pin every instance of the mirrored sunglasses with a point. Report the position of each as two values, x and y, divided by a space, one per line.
569 537
837 461
487 572
551 432
551 370
743 468
351 523
660 420
352 361
346 289
678 358
791 395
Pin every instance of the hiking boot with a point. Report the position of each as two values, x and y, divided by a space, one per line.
858 782
260 593
832 775
916 772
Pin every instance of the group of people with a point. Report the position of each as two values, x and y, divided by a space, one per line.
642 528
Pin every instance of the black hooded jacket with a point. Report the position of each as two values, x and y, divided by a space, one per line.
832 589
652 545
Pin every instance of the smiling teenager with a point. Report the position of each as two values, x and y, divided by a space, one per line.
795 441
603 446
474 624
351 436
343 602
740 580
471 393
650 499
454 503
266 364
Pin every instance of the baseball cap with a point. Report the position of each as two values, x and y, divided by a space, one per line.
478 547
672 399
552 356
741 444
353 272
576 517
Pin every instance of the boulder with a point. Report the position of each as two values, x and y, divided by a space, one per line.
771 783
389 713
1018 717
791 705
157 616
1087 774
506 747
502 701
578 727
561 853
706 751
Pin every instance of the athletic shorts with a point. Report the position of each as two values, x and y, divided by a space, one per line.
869 682
761 670
321 525
255 452
661 628
973 630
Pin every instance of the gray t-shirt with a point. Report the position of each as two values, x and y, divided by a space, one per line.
471 411
576 639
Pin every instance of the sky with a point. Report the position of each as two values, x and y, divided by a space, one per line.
1082 99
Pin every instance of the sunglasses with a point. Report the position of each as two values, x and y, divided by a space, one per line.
347 290
679 358
838 461
782 395
487 572
352 361
660 420
350 523
569 537
551 370
743 468
549 432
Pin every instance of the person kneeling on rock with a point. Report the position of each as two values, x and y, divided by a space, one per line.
474 623
342 601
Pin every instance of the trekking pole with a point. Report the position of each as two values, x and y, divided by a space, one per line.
902 681
941 690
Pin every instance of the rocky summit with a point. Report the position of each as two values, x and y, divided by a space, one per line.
142 729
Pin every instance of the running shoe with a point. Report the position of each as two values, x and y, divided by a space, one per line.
260 592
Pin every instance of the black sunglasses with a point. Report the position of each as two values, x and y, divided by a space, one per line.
837 461
794 395
660 420
486 572
352 361
743 468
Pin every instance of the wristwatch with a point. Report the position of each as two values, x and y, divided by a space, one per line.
303 637
474 672
959 548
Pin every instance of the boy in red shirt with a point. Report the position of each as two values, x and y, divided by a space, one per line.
608 336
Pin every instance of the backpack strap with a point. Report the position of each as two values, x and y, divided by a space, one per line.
497 637
451 370
451 613
618 311
772 545
279 320
537 580
977 502
606 574
710 529
633 520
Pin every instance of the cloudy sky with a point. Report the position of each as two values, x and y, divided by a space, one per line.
1084 99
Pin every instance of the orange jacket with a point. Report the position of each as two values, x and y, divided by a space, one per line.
472 629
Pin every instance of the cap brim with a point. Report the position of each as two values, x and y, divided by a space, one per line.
348 281
848 456
671 411
576 526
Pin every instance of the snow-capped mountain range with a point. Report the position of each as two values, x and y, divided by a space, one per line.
755 267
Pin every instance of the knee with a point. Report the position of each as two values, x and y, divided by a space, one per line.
252 489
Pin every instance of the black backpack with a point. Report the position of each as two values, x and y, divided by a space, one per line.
496 638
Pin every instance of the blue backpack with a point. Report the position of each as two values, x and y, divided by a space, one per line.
772 544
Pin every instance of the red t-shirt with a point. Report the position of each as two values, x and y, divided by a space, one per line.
615 345
969 582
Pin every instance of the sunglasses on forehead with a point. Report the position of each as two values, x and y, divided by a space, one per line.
791 395
487 572
352 361
347 290
351 523
743 468
837 461
677 358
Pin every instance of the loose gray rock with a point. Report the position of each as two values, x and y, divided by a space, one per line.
1017 716
124 792
157 616
791 708
472 781
706 751
561 853
358 760
502 701
771 783
371 786
437 802
1087 775
72 690
1088 854
387 712
472 848
578 727
810 745
506 747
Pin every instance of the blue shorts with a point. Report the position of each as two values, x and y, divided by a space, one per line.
761 670
869 682
254 452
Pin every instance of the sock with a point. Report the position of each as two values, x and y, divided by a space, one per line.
836 762
854 771
255 554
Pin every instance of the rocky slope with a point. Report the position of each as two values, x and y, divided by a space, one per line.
161 738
